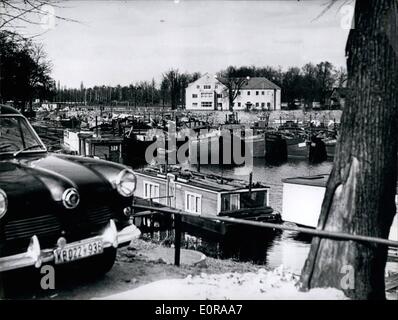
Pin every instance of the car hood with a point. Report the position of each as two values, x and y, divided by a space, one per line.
35 180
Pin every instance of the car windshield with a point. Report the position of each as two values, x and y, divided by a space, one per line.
16 135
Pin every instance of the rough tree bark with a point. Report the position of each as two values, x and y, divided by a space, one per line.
360 193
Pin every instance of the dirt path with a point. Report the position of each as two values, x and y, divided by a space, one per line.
144 264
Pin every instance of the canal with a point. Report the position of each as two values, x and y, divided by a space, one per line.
271 248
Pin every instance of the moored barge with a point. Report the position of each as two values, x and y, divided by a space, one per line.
202 194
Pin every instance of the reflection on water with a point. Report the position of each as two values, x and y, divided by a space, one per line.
268 247
271 248
234 245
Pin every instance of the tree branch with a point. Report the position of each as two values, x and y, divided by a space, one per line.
30 7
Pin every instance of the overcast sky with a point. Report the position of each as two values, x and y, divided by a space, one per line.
119 42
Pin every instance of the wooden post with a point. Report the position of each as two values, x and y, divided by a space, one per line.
177 239
152 225
167 190
250 183
198 153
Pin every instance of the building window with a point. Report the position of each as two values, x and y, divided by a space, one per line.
193 202
206 104
269 104
262 104
151 191
238 104
262 92
197 87
219 95
248 93
219 105
195 104
207 86
206 95
257 104
257 93
194 95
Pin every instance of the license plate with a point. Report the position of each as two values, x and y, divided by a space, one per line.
78 251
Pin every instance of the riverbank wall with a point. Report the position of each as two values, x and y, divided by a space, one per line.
275 117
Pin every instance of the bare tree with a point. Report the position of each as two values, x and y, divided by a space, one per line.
15 13
234 79
340 77
360 193
173 86
25 72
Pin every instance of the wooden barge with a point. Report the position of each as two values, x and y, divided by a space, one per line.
217 146
200 194
281 146
88 144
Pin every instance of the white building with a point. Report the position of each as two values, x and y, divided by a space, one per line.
209 93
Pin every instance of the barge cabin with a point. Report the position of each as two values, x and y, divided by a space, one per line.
302 202
202 194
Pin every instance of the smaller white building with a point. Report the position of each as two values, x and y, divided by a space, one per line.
210 93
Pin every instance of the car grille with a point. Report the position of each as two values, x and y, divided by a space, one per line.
45 225
99 216
91 219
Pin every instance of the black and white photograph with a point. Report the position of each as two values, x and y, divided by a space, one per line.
196 150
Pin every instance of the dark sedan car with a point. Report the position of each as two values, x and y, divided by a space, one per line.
57 208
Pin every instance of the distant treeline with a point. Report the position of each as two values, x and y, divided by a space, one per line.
170 92
309 84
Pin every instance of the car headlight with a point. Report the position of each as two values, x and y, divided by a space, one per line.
70 198
126 182
3 203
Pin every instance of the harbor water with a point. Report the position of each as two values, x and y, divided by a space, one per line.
271 248
267 247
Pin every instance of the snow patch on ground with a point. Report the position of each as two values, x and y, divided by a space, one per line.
261 285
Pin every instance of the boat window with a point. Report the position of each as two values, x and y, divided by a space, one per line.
254 200
151 191
230 202
193 202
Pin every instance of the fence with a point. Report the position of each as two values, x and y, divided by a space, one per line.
319 233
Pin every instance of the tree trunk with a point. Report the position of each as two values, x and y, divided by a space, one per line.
360 193
231 99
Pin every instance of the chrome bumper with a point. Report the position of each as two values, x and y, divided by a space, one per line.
35 256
